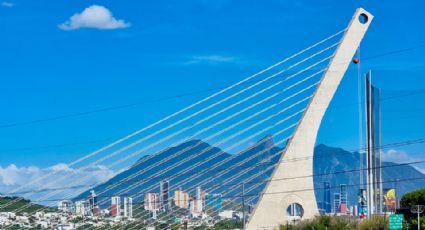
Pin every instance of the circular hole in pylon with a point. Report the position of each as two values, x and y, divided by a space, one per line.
294 212
363 18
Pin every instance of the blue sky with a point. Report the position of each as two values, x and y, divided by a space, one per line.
154 49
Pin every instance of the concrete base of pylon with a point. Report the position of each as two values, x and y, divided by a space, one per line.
282 191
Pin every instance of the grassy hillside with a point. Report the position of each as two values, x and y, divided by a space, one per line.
11 204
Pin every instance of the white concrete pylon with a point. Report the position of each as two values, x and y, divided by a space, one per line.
278 195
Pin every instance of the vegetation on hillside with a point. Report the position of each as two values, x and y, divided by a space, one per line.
11 204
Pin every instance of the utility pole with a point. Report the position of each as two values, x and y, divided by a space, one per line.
185 225
396 197
418 209
243 205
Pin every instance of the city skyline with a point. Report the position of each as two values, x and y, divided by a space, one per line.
210 113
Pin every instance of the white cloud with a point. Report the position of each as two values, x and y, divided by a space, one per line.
399 157
211 59
12 177
7 4
396 156
95 16
60 167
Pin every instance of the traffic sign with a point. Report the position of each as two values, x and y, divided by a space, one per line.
396 221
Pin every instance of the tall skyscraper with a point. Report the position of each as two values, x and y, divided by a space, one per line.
327 205
343 199
151 201
94 209
199 200
116 206
336 202
199 193
128 207
164 195
195 206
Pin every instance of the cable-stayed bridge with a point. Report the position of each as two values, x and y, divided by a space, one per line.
286 100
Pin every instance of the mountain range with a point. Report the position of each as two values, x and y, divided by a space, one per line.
196 162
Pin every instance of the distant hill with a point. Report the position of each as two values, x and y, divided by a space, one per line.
19 204
328 160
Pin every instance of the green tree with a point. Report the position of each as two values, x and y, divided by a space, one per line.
413 198
407 201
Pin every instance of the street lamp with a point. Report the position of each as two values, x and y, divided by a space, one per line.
418 209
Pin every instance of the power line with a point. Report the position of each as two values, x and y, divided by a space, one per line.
107 109
415 92
124 106
395 52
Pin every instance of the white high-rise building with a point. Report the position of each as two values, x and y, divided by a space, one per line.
200 198
128 207
82 207
198 193
195 207
65 206
152 201
116 206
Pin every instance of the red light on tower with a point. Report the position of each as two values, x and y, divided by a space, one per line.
356 60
